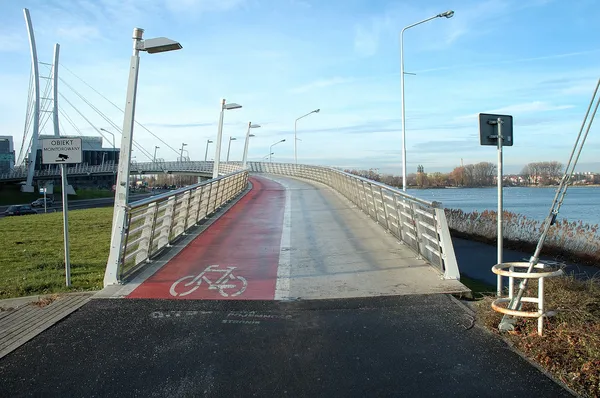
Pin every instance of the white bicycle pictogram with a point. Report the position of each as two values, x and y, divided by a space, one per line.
224 284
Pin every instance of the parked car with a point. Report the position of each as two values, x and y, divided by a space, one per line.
19 210
40 202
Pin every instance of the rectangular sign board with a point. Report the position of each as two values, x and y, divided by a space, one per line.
61 150
7 156
488 129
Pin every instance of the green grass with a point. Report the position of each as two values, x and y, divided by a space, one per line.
479 288
32 257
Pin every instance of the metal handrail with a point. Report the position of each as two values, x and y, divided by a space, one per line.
418 223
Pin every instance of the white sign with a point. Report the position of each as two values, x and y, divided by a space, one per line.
61 151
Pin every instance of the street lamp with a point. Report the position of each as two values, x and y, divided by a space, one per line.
151 46
113 136
206 153
447 14
229 146
271 149
265 157
181 155
296 139
154 159
248 135
224 107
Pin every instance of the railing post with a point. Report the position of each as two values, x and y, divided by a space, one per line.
198 205
415 220
450 264
185 209
145 243
385 210
165 232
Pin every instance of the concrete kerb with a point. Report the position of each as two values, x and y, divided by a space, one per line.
143 273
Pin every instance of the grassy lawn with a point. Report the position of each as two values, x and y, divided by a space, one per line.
32 259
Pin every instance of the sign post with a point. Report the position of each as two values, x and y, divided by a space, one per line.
498 137
43 190
63 151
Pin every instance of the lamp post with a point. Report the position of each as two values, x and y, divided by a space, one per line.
157 45
206 153
154 158
248 135
271 149
113 136
224 106
181 154
229 146
295 138
447 14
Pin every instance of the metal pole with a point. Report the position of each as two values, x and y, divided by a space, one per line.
206 153
55 89
154 159
28 187
45 207
245 157
218 143
122 185
181 154
500 207
403 117
295 142
228 149
65 205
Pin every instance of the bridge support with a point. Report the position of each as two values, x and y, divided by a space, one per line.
28 187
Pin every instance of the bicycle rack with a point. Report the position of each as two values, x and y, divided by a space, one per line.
501 303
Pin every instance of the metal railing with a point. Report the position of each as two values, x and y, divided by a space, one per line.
418 223
154 223
200 167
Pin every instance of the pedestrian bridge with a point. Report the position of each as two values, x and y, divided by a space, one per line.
283 232
203 169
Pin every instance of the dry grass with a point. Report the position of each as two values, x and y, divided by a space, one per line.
570 347
573 240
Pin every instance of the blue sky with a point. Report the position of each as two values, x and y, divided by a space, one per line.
538 60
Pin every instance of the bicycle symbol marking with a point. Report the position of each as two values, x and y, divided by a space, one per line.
228 284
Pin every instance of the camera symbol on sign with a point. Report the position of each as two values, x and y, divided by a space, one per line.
62 157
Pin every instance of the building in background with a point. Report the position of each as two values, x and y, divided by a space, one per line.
93 152
7 153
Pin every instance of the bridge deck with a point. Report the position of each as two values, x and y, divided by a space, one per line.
291 239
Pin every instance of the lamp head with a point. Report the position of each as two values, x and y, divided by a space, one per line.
447 14
251 135
209 141
231 106
232 138
254 126
158 45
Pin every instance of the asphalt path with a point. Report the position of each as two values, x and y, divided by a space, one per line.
403 346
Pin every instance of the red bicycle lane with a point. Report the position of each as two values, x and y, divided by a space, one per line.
246 240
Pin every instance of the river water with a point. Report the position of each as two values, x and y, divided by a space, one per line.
581 203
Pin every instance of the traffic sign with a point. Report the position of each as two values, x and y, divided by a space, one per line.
488 129
61 151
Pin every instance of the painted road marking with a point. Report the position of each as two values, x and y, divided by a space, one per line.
176 314
284 270
247 237
227 280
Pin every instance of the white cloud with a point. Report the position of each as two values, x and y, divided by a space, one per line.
320 84
367 36
203 5
530 107
78 33
12 42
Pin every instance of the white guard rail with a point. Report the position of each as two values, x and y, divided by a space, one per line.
154 223
418 223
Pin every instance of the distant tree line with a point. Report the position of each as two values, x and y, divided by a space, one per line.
481 174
